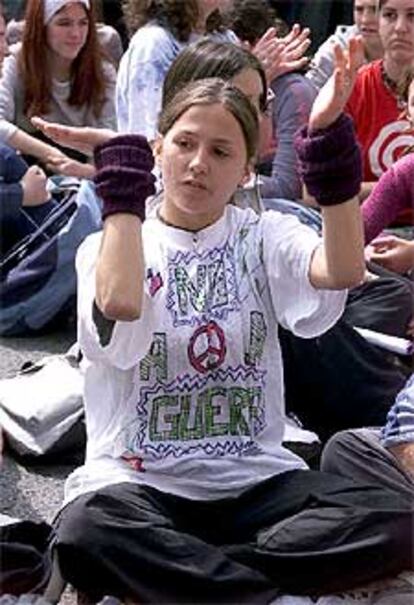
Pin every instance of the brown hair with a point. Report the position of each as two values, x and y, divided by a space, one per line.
209 92
249 19
180 17
88 82
210 59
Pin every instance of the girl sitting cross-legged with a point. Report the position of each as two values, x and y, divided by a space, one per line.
187 494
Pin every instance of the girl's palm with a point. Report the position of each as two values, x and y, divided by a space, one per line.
333 96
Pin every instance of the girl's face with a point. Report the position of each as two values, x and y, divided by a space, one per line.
67 31
396 27
366 19
250 83
203 160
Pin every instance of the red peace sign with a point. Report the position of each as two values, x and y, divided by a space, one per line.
212 355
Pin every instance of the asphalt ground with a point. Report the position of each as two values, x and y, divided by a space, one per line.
31 490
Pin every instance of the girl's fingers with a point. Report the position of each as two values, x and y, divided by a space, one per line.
268 35
356 53
298 51
294 32
302 38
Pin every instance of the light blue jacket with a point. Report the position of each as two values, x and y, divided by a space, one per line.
141 74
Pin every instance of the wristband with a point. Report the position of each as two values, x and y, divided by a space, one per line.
330 162
123 175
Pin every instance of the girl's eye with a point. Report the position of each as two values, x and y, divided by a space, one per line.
183 143
221 153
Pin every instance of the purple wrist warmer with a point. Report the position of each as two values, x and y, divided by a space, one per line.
123 174
330 162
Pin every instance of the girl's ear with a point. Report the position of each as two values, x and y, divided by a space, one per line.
247 175
157 145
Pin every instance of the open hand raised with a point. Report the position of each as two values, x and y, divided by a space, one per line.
333 96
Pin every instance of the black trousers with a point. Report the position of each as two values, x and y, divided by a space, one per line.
299 532
338 380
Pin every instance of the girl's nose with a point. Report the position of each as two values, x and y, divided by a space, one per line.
198 163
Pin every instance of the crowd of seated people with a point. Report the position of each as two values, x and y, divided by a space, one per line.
186 303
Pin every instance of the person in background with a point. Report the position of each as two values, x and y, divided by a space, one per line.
365 25
376 105
41 228
58 73
21 187
186 479
383 456
289 110
161 29
392 196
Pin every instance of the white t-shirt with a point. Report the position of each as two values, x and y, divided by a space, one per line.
189 398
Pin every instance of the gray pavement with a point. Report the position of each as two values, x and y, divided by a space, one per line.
31 491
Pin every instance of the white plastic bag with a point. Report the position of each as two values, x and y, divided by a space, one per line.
41 404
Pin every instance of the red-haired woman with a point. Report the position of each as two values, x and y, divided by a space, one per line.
59 73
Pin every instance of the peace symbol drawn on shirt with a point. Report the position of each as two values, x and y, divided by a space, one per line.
207 348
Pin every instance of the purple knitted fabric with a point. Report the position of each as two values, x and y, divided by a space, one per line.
330 162
123 175
393 194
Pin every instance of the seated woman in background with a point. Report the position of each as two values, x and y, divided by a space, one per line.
287 112
392 196
162 29
59 73
365 25
376 105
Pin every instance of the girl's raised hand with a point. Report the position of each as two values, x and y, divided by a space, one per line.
333 96
281 55
83 139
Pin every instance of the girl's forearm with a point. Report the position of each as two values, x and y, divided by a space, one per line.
120 268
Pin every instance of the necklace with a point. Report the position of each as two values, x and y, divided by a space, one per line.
168 224
393 87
